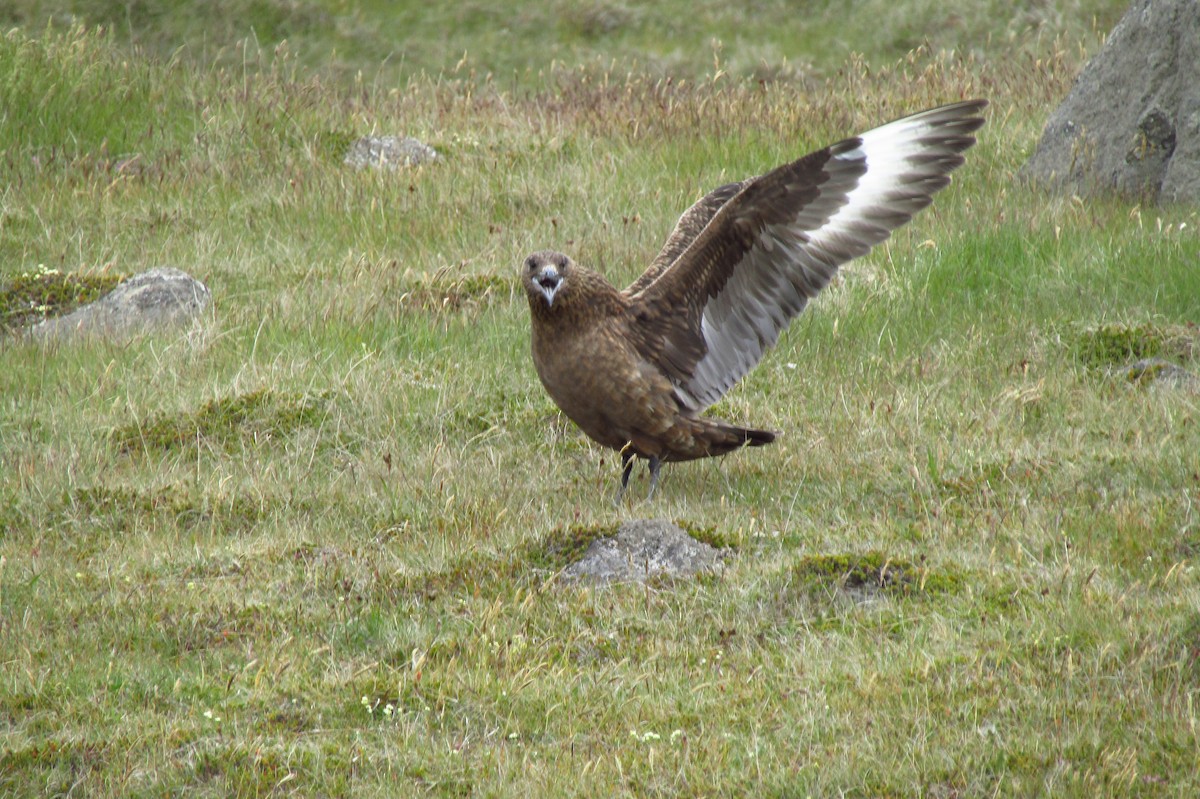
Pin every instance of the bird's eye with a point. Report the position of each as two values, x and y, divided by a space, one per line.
530 264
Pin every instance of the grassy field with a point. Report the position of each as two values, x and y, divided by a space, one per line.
390 41
308 547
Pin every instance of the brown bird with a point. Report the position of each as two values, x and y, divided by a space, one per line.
635 368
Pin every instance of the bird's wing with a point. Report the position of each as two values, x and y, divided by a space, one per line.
708 317
686 230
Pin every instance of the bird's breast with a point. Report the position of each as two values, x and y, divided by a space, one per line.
597 379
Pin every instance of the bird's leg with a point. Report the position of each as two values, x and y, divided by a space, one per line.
626 470
655 465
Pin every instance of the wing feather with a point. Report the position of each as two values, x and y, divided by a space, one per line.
718 297
690 224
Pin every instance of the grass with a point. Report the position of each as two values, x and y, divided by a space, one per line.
259 414
385 44
310 547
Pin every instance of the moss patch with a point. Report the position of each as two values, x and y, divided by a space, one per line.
331 145
872 573
1146 372
33 297
1112 345
56 765
484 411
563 546
475 574
471 575
706 535
1151 372
257 416
188 508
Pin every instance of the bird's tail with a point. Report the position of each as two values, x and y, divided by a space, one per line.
714 437
756 438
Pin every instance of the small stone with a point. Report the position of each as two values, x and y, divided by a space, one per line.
156 298
1157 372
643 549
389 152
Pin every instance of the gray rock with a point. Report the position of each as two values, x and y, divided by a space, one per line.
1157 372
641 549
1131 122
389 152
155 298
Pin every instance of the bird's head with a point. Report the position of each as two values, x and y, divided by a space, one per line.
544 274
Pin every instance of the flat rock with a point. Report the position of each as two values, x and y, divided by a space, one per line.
642 549
157 298
1131 123
389 152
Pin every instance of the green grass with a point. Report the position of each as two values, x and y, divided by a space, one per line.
385 43
310 547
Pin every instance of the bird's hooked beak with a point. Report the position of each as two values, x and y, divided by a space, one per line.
547 281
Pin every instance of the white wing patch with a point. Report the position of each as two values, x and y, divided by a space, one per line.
906 162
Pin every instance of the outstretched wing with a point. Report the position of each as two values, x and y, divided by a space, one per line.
689 226
708 316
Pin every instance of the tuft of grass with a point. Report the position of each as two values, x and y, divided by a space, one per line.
986 479
332 145
258 416
469 292
72 97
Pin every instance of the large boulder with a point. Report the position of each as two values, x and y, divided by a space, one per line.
1131 122
155 298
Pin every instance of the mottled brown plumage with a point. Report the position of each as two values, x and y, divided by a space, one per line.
635 368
